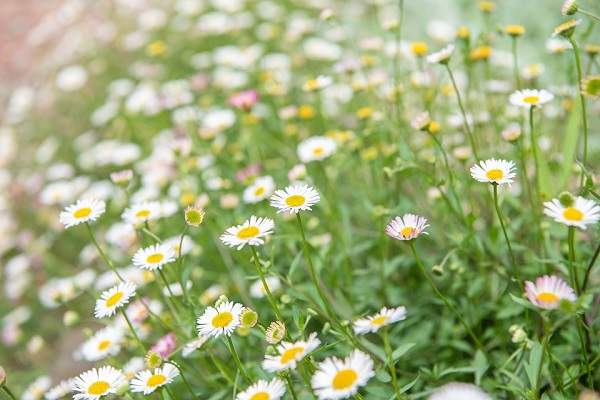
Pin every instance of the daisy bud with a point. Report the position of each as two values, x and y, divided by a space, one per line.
511 133
590 86
2 376
438 270
249 318
194 216
275 332
153 360
222 299
519 335
243 331
566 199
121 178
569 7
70 318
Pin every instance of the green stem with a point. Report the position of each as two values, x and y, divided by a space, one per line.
237 360
535 149
102 253
463 112
516 63
185 381
180 266
391 363
170 300
589 268
442 297
8 392
589 14
265 286
572 266
220 367
290 387
133 332
513 261
545 342
582 101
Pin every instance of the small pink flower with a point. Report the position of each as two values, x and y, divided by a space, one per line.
165 345
548 291
244 100
247 174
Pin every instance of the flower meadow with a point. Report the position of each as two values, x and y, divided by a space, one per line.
298 199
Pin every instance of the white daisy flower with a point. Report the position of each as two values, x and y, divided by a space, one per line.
251 232
95 383
288 354
37 388
148 381
154 257
133 366
548 291
316 148
114 298
142 212
385 316
295 198
494 171
257 289
59 391
317 83
82 211
530 98
459 391
339 379
407 227
220 320
262 188
106 342
581 213
264 390
441 56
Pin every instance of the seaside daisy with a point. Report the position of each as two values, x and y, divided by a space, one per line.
567 28
441 56
252 232
385 316
548 291
337 378
579 213
222 319
142 212
82 211
528 98
263 390
459 391
497 172
295 198
407 227
288 354
147 381
154 257
112 299
97 382
259 190
316 148
104 343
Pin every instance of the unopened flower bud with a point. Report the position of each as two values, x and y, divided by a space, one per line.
153 360
566 199
71 318
437 270
2 376
194 216
275 332
249 318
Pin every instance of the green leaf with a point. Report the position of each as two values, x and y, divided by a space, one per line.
522 302
383 376
480 365
533 365
401 350
569 146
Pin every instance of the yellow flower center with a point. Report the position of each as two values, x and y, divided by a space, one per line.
378 321
156 379
494 174
259 191
155 258
290 354
344 379
103 345
82 212
221 320
143 214
318 151
260 396
114 299
98 388
572 214
531 99
547 297
248 232
295 200
407 231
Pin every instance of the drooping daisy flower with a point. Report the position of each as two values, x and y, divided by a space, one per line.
385 316
82 211
548 291
275 332
59 391
95 383
114 298
567 28
259 190
459 391
316 148
498 172
140 213
407 227
257 289
148 381
295 198
580 213
220 320
106 342
288 354
442 56
264 390
154 257
569 7
339 379
528 98
251 232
